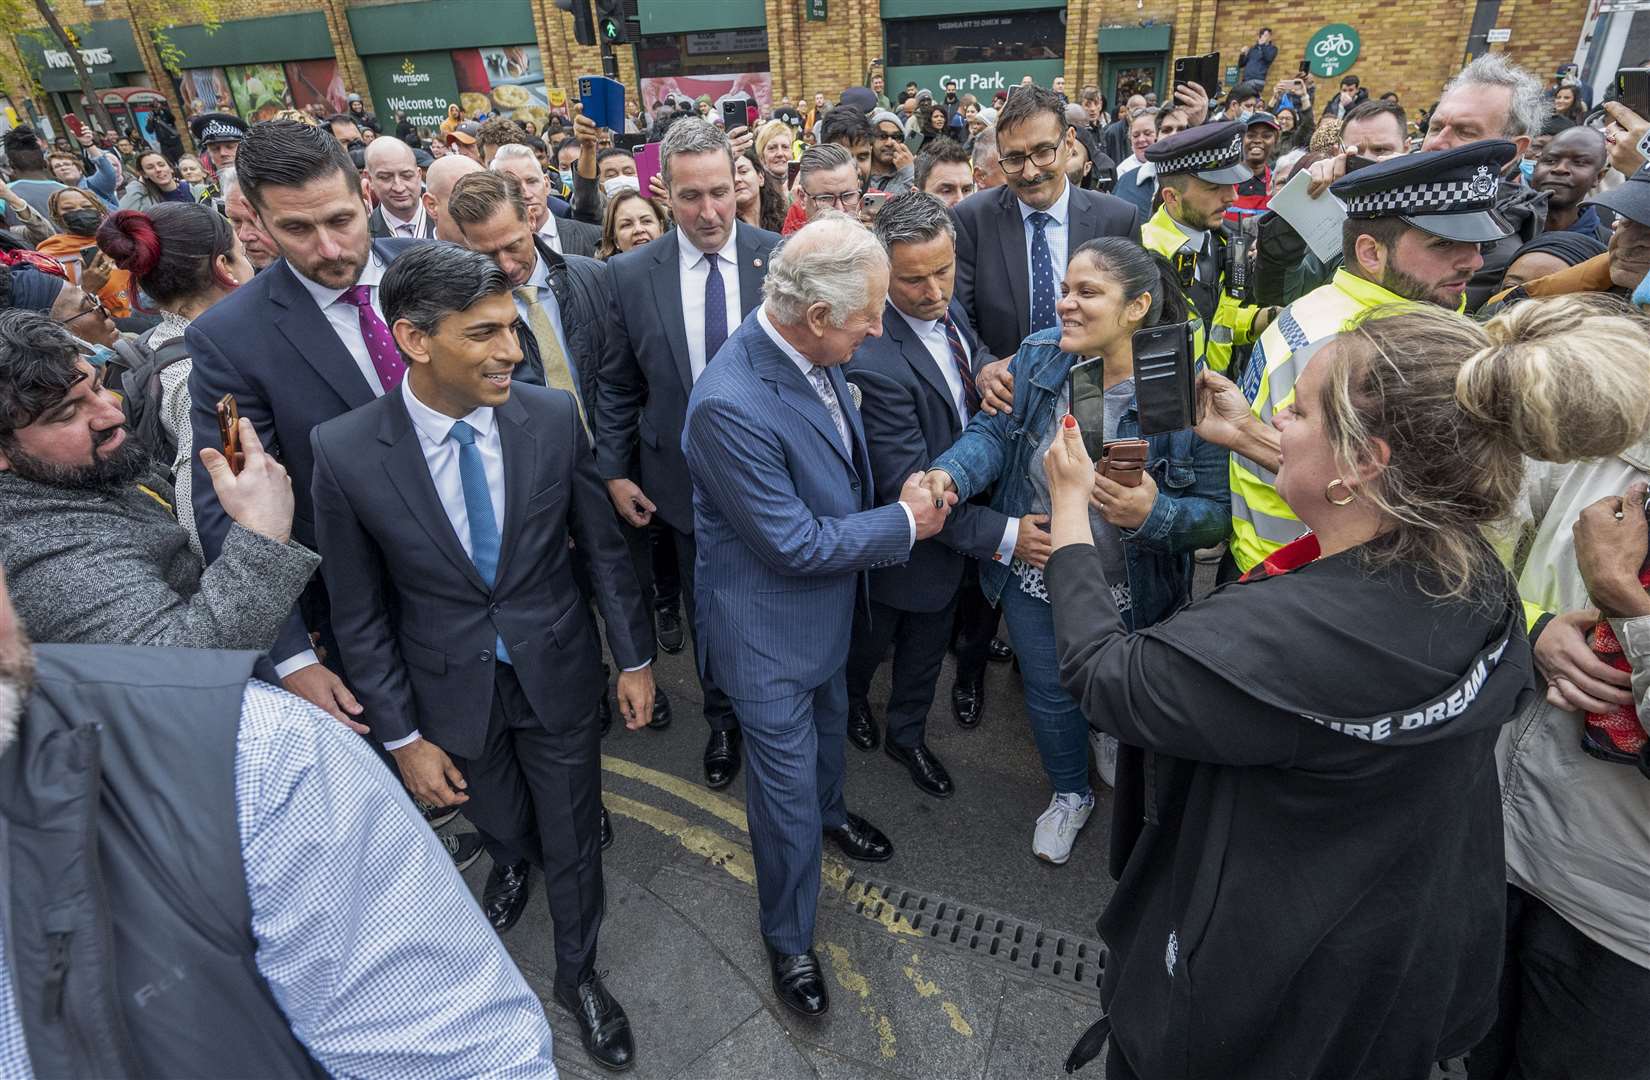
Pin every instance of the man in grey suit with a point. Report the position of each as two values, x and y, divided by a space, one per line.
447 511
784 514
676 301
90 544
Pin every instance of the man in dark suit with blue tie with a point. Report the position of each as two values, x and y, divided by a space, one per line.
786 520
447 511
917 393
675 301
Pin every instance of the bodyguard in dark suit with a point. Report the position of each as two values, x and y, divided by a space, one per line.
298 344
676 300
392 177
786 521
447 512
917 394
422 227
1019 234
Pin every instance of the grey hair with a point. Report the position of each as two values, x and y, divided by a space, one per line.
227 180
431 281
691 135
513 152
1529 107
985 145
824 262
826 157
913 217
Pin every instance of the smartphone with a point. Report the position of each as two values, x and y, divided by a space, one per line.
229 427
1633 89
647 167
1087 396
72 122
1305 69
793 169
602 99
88 254
1203 70
733 114
872 201
627 141
1165 379
1123 461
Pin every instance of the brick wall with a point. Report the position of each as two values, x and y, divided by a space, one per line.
806 57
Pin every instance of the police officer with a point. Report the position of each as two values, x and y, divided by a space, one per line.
218 135
1413 229
1198 171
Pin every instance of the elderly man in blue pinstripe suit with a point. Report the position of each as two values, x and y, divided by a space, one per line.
782 504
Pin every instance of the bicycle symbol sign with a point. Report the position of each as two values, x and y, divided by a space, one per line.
1333 49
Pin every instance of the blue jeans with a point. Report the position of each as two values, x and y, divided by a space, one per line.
1056 722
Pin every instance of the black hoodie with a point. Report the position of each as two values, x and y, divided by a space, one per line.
1308 846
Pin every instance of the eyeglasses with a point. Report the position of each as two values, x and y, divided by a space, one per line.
1042 157
891 136
847 200
89 305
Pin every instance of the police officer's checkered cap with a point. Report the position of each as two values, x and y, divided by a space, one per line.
1453 196
1215 157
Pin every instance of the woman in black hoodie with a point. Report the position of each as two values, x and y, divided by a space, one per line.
1307 831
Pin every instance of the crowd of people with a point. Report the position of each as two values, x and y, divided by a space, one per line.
354 478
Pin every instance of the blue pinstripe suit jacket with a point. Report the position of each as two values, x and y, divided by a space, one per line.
783 519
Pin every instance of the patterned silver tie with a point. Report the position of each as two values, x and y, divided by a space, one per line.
827 394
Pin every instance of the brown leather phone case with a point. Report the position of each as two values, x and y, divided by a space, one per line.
1123 460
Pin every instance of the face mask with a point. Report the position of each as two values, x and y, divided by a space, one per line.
1641 295
82 222
1243 117
616 184
1527 167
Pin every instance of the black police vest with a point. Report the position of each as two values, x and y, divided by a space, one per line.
128 932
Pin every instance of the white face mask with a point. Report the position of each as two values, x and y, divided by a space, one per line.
616 184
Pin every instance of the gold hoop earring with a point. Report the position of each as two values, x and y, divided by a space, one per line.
1328 492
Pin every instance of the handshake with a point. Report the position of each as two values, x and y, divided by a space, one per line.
930 497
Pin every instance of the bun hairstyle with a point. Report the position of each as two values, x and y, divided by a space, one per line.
1459 406
172 251
1139 271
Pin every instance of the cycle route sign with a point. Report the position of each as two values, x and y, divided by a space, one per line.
1332 50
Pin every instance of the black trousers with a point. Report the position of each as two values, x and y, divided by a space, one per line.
1570 1008
976 625
718 709
918 639
667 577
538 791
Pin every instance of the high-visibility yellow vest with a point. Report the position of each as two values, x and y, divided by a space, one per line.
1261 521
1232 322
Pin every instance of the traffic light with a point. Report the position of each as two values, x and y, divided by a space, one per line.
611 23
584 30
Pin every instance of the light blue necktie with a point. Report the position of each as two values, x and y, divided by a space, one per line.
478 507
1042 274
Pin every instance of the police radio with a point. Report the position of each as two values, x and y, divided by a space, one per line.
1237 267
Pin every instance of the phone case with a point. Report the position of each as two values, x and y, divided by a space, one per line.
1165 381
229 432
1123 461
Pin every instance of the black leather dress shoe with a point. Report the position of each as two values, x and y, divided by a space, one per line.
669 621
968 700
799 982
661 711
722 758
862 726
1000 650
607 830
861 840
603 1025
926 770
504 897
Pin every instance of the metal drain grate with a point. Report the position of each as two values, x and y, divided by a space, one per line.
1070 960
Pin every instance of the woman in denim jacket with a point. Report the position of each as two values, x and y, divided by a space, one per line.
1112 288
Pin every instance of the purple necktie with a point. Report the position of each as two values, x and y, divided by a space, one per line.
386 358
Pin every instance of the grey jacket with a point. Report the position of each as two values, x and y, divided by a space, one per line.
92 568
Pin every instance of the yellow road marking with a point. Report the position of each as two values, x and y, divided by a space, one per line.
722 852
718 806
927 988
842 965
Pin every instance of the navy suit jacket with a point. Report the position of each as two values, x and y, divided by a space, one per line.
910 419
646 378
415 621
784 519
272 348
991 252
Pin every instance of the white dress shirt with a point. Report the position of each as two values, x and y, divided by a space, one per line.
695 272
931 332
804 366
549 234
1054 231
346 318
413 228
539 281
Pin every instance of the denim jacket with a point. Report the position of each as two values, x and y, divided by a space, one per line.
1193 507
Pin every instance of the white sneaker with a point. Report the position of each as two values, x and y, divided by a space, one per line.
1066 815
1105 756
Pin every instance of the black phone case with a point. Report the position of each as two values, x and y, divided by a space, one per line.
733 114
1165 380
1633 89
1086 395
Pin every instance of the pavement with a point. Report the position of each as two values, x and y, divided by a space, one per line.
964 956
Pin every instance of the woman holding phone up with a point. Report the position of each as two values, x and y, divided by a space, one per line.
1316 884
1147 527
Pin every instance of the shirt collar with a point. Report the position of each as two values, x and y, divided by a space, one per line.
371 275
1190 232
803 364
1058 211
691 257
923 327
395 223
549 227
540 277
435 426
